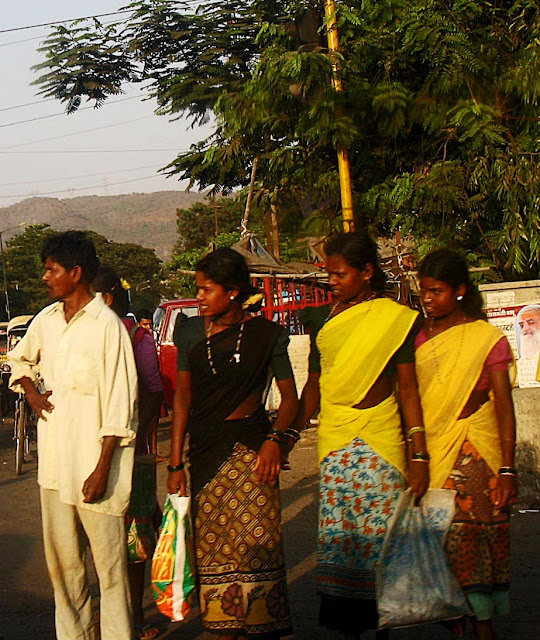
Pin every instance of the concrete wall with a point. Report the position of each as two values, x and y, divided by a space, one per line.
527 408
526 401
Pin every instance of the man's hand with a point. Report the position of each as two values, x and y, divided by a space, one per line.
95 485
39 402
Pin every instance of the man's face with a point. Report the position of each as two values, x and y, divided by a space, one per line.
60 283
146 324
530 323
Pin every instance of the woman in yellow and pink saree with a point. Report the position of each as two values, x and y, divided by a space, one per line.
462 366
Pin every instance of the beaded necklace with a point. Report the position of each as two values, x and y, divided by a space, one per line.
235 358
350 304
434 348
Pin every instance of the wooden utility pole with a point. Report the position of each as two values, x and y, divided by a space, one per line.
342 154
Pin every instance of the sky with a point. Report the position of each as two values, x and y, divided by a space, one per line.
115 149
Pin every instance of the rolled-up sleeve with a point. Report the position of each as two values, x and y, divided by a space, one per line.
24 360
118 386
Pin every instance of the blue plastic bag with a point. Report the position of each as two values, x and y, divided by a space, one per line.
414 581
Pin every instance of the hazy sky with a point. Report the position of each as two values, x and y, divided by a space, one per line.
117 148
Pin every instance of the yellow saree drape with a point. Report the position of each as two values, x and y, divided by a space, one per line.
448 367
355 347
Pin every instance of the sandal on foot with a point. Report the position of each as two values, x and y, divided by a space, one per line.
456 626
146 632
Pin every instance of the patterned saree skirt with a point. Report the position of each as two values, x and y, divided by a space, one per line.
478 542
359 491
241 571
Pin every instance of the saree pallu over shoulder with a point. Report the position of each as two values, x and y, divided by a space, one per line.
448 367
355 347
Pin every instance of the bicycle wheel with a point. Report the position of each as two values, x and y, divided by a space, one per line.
20 435
30 421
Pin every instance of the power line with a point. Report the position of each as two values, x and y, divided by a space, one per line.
98 15
98 151
7 44
76 133
52 24
96 186
85 175
27 104
55 115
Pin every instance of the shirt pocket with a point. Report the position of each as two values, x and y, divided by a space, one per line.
81 375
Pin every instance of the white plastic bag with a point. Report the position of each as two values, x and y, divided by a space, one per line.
414 582
173 576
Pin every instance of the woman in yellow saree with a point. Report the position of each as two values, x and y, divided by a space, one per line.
361 346
462 369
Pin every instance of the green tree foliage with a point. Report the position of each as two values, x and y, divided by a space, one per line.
137 265
180 282
24 269
439 110
199 224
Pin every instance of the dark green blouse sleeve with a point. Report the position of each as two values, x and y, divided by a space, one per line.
313 319
406 354
279 361
189 334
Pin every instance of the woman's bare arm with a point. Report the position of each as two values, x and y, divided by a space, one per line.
411 410
176 482
268 463
504 410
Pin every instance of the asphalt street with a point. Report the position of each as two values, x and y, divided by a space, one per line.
26 606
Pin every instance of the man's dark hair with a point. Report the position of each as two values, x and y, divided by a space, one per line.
144 313
72 249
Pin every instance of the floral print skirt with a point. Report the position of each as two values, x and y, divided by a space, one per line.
359 491
240 565
478 542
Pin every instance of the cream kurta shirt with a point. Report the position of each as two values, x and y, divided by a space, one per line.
88 365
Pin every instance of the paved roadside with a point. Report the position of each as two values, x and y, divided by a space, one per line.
26 608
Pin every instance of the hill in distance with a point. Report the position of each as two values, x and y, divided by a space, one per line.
148 219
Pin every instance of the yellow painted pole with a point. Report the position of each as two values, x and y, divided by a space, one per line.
344 166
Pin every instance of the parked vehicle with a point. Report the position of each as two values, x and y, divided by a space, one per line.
25 420
5 371
166 317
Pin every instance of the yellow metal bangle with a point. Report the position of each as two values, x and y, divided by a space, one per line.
414 430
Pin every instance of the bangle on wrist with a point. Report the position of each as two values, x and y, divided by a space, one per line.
272 438
414 430
277 433
420 456
507 471
178 467
292 433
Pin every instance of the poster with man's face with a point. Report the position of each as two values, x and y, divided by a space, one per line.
528 331
521 325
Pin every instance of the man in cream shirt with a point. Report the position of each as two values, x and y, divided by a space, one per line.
86 436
